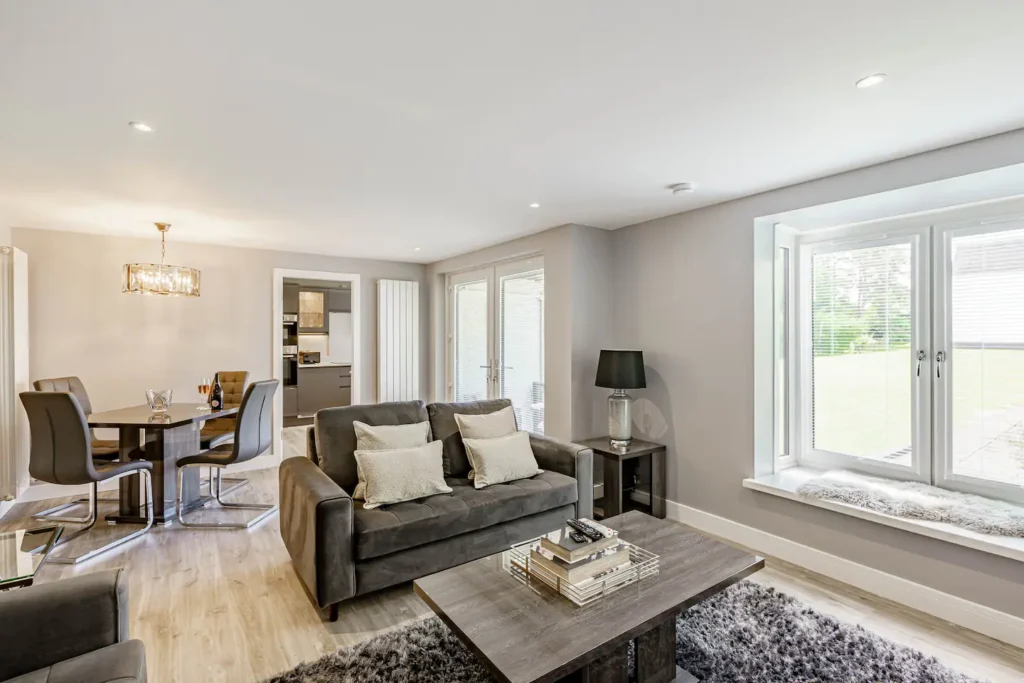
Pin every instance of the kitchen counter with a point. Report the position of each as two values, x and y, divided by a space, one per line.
324 364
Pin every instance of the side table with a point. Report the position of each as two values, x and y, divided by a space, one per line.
623 467
23 552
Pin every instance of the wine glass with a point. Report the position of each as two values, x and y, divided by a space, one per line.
204 393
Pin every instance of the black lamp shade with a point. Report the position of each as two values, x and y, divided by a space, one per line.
621 370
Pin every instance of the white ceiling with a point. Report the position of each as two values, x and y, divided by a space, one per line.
371 128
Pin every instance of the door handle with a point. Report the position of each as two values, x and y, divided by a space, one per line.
940 358
921 355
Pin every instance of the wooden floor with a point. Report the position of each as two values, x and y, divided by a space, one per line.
227 606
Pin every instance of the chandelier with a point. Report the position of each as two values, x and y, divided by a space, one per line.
160 279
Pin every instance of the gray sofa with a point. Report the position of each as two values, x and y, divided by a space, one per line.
70 631
341 550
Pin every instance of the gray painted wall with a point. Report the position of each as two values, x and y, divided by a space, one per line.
685 295
120 345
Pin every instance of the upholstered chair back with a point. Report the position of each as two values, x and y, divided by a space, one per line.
253 426
61 450
233 382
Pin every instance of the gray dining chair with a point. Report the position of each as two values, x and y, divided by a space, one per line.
102 449
61 453
252 438
221 430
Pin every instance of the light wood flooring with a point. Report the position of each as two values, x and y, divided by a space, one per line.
227 606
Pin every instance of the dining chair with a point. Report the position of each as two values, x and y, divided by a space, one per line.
102 449
61 453
221 430
252 438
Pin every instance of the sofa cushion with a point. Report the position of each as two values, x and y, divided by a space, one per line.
446 430
405 525
118 663
335 437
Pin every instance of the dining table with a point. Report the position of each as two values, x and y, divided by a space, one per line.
161 438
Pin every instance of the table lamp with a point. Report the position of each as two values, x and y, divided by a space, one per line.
620 370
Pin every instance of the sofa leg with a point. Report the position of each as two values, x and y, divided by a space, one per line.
334 611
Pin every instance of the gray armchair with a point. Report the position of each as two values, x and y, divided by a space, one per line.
70 631
340 550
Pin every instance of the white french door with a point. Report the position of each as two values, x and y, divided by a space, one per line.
496 337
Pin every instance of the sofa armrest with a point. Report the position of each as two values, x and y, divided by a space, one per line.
317 518
572 460
51 622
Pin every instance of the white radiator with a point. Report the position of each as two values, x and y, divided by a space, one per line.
14 478
398 340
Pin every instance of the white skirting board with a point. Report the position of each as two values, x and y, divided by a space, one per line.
990 622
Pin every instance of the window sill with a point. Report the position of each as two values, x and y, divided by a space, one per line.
785 483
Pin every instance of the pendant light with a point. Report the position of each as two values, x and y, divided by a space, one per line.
160 279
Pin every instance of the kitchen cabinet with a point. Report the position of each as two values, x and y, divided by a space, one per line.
312 311
291 299
339 301
324 386
291 401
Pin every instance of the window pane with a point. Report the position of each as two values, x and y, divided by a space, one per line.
782 351
522 347
861 356
987 368
470 341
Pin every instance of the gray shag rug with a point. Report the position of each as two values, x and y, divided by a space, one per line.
918 501
746 634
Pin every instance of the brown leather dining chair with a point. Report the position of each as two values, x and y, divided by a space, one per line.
252 438
61 453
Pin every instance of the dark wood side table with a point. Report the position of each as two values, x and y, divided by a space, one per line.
641 460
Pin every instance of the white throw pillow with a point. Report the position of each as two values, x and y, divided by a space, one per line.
401 474
488 425
501 459
386 438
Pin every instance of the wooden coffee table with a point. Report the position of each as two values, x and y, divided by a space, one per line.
527 633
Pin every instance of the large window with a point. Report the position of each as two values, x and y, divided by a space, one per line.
900 352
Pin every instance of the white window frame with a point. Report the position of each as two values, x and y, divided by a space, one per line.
931 332
785 316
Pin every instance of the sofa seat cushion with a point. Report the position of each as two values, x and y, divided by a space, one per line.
401 526
119 663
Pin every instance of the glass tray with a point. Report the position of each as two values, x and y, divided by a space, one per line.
643 564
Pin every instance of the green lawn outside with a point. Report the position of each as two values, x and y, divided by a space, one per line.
862 401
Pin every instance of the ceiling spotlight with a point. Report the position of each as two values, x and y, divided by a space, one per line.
682 188
868 81
535 205
140 126
415 248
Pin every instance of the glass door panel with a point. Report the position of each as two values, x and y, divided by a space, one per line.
470 336
520 370
984 367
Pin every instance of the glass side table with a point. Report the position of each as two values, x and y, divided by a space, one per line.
23 552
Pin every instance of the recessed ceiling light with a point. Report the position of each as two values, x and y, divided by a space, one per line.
868 81
682 188
415 248
535 205
140 126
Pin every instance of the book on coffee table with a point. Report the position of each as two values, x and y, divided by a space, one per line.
562 545
578 572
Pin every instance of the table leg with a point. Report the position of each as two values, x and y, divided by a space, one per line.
612 487
162 447
128 443
611 667
656 656
658 484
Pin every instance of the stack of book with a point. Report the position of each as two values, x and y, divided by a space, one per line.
582 568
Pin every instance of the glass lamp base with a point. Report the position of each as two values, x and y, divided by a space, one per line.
620 418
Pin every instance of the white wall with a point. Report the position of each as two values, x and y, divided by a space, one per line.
120 345
685 294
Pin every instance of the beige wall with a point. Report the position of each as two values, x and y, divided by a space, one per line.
685 295
120 345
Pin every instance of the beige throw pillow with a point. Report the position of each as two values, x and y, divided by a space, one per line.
487 426
385 438
402 474
501 459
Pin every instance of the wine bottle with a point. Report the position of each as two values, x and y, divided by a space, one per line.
217 394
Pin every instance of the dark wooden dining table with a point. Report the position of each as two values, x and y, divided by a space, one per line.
165 438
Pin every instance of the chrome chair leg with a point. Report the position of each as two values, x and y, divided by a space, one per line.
215 485
94 514
235 483
49 515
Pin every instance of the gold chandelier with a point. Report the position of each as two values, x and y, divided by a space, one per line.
160 279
